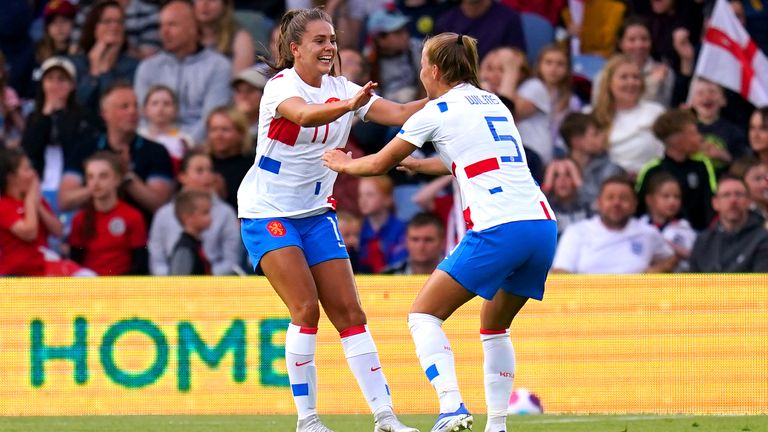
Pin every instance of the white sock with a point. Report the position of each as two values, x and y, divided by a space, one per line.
300 359
436 358
499 369
363 359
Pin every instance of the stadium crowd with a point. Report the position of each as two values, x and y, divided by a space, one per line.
126 127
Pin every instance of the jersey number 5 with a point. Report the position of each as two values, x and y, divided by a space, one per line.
496 137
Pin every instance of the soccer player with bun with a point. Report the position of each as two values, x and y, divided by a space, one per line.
506 254
288 222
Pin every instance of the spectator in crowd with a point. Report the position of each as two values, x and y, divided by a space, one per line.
141 26
491 23
221 241
724 141
666 20
161 107
551 10
562 185
58 22
425 243
108 235
755 175
394 57
620 109
382 237
597 33
148 182
501 72
193 210
248 87
422 15
635 43
586 142
613 241
663 201
11 120
682 143
25 218
553 68
222 33
16 46
349 229
194 73
231 151
103 58
758 134
57 125
738 243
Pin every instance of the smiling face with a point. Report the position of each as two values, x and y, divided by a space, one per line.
626 85
636 43
758 132
313 56
223 136
707 99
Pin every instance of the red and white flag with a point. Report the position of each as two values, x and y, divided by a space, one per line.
730 57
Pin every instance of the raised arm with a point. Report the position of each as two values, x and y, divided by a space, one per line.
303 114
373 164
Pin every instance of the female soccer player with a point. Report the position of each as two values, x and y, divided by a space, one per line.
285 203
475 136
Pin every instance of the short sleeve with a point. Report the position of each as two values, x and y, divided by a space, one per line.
75 237
534 91
421 127
352 89
661 248
277 90
137 234
567 254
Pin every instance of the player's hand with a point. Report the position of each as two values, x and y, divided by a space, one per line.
363 96
409 165
336 159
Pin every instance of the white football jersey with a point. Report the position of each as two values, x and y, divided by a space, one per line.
288 178
475 136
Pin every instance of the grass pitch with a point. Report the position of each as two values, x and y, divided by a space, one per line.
364 423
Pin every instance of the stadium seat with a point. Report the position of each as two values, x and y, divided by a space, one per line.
538 34
259 26
587 65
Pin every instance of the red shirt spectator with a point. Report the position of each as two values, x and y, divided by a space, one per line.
19 257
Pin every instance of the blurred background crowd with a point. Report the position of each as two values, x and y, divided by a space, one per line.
126 127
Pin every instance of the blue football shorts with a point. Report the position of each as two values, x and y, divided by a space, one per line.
317 236
515 257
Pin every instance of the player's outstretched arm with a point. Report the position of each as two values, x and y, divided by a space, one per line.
390 113
429 166
303 114
371 165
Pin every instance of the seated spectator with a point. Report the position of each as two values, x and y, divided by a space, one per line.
148 183
194 74
161 107
663 200
491 23
738 243
394 57
619 108
562 183
724 141
553 68
193 211
11 120
682 142
425 242
25 217
613 241
586 142
57 125
755 175
221 241
758 134
248 87
349 229
222 33
635 43
231 151
141 26
382 237
58 22
108 236
103 58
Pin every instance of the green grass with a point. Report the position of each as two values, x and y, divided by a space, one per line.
361 423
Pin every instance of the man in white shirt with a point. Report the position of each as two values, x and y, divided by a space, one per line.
613 241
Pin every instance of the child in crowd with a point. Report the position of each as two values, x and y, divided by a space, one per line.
25 218
562 183
553 68
193 210
11 120
221 241
663 200
382 238
587 144
161 107
59 20
108 236
349 228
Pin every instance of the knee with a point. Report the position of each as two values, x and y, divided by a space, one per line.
346 317
305 314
